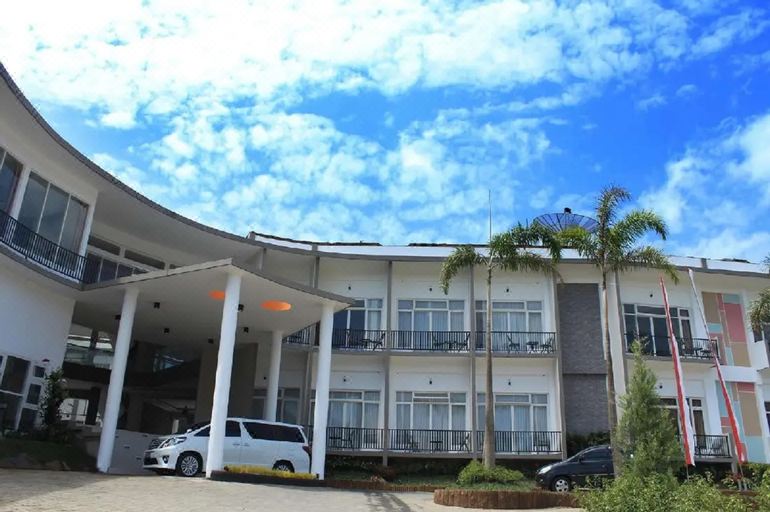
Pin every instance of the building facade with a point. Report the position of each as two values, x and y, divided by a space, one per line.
159 321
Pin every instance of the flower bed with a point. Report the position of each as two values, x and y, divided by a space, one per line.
267 477
524 500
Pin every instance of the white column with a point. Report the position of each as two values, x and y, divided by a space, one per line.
323 375
117 375
271 402
18 196
214 460
87 229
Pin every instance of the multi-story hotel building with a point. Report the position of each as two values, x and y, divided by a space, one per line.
159 321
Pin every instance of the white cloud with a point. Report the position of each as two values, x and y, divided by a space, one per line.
753 145
654 101
687 91
726 30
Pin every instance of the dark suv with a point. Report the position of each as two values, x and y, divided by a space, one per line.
594 462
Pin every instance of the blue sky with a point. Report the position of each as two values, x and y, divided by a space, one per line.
333 120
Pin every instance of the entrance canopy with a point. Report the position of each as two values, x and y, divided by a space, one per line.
183 307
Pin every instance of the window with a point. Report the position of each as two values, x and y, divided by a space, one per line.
288 404
270 432
232 429
696 414
10 170
508 318
106 269
357 409
52 213
648 324
430 411
104 245
767 413
144 260
598 454
520 412
431 315
364 314
13 378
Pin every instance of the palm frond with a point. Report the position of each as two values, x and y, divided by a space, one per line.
644 257
766 262
534 235
464 256
759 310
636 224
607 205
524 260
580 239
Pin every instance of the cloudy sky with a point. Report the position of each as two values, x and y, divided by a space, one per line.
390 121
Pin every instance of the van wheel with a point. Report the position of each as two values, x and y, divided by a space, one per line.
188 464
560 484
283 465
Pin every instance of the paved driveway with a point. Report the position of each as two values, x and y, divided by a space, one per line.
38 491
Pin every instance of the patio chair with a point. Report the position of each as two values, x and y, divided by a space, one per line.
513 346
374 343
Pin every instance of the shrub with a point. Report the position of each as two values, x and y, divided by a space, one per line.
762 499
54 394
475 473
660 493
257 470
387 473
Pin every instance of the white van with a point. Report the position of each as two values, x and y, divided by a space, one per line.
280 446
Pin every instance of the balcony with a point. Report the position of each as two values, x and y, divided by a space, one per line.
438 442
430 341
519 343
44 252
710 447
689 348
304 337
358 339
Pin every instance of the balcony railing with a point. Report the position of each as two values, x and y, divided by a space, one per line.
358 339
353 439
44 252
689 348
429 441
430 341
518 342
86 356
306 336
524 442
712 446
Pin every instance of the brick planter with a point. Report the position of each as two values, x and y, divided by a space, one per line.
248 478
523 500
368 485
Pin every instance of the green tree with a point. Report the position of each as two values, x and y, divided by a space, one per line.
646 436
54 394
509 251
759 309
612 248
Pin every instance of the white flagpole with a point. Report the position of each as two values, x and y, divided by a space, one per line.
740 453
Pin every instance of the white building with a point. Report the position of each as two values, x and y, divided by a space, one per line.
159 321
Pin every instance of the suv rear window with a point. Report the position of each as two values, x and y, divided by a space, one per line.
273 432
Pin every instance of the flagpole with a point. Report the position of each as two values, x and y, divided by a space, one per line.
684 410
739 455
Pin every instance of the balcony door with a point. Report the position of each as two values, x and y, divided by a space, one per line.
521 421
359 322
511 320
648 325
428 324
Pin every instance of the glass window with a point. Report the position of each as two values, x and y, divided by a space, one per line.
15 375
10 170
33 395
104 245
144 260
430 410
232 429
54 210
648 325
32 204
354 409
72 232
365 314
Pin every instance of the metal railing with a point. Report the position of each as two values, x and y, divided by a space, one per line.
430 341
518 342
96 357
524 442
49 254
306 336
712 446
429 441
658 346
358 339
353 439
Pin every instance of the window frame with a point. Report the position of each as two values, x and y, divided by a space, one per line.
368 306
434 398
17 177
452 313
528 310
531 403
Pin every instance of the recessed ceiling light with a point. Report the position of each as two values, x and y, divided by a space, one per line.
276 305
217 294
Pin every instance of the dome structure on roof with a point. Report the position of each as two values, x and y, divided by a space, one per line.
566 219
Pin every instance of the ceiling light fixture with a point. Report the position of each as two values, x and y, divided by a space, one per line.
217 294
276 305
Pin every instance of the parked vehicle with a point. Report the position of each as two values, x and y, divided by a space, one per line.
592 463
280 446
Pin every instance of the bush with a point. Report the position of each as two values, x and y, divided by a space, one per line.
476 473
257 470
763 493
661 493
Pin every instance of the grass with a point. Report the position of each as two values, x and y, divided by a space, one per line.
44 452
256 470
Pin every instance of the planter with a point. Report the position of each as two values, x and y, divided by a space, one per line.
247 478
523 500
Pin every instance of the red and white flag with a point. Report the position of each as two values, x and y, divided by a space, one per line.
688 439
739 450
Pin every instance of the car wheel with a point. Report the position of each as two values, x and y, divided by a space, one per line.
283 465
560 484
188 464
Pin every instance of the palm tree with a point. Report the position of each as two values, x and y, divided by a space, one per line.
612 248
759 309
509 251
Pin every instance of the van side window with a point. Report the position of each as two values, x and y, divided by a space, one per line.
232 429
273 432
204 433
601 453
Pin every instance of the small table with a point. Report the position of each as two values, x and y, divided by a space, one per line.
435 445
532 346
